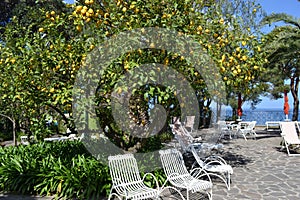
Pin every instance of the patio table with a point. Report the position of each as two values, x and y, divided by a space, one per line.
273 123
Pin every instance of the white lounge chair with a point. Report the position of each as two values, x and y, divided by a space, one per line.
189 124
126 179
214 166
186 141
178 129
247 129
178 175
225 129
290 136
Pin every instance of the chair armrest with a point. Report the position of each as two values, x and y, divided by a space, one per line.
215 158
212 163
200 173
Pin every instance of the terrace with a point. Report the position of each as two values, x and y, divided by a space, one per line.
261 171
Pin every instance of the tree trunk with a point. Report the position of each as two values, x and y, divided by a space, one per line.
294 90
219 109
67 121
14 128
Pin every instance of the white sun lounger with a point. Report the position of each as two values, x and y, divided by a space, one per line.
290 136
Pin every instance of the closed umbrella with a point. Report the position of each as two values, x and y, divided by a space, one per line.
239 109
286 106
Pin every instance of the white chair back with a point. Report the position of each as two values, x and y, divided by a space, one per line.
172 162
123 170
289 132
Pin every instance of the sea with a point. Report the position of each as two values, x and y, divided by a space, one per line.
262 115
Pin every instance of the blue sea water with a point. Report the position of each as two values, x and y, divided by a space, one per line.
262 115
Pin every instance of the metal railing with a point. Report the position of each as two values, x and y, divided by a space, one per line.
261 116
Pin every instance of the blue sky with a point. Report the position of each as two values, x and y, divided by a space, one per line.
291 7
69 1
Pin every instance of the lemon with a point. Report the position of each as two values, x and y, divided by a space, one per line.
88 20
223 58
91 11
199 28
78 28
152 45
78 8
221 21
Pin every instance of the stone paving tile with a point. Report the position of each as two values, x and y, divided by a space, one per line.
266 174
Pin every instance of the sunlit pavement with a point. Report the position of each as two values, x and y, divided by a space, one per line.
261 170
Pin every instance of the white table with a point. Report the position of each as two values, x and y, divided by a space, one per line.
55 139
244 124
273 123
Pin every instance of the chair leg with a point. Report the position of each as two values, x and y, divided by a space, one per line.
228 180
187 194
114 194
244 135
287 148
210 194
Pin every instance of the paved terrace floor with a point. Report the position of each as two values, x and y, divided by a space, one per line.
261 171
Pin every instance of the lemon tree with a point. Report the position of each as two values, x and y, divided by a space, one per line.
38 69
239 50
40 66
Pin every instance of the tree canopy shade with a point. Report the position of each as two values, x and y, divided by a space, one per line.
6 10
10 8
283 47
40 65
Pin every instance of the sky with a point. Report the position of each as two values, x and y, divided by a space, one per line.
291 7
69 1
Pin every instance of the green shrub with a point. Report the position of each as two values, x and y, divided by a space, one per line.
65 169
